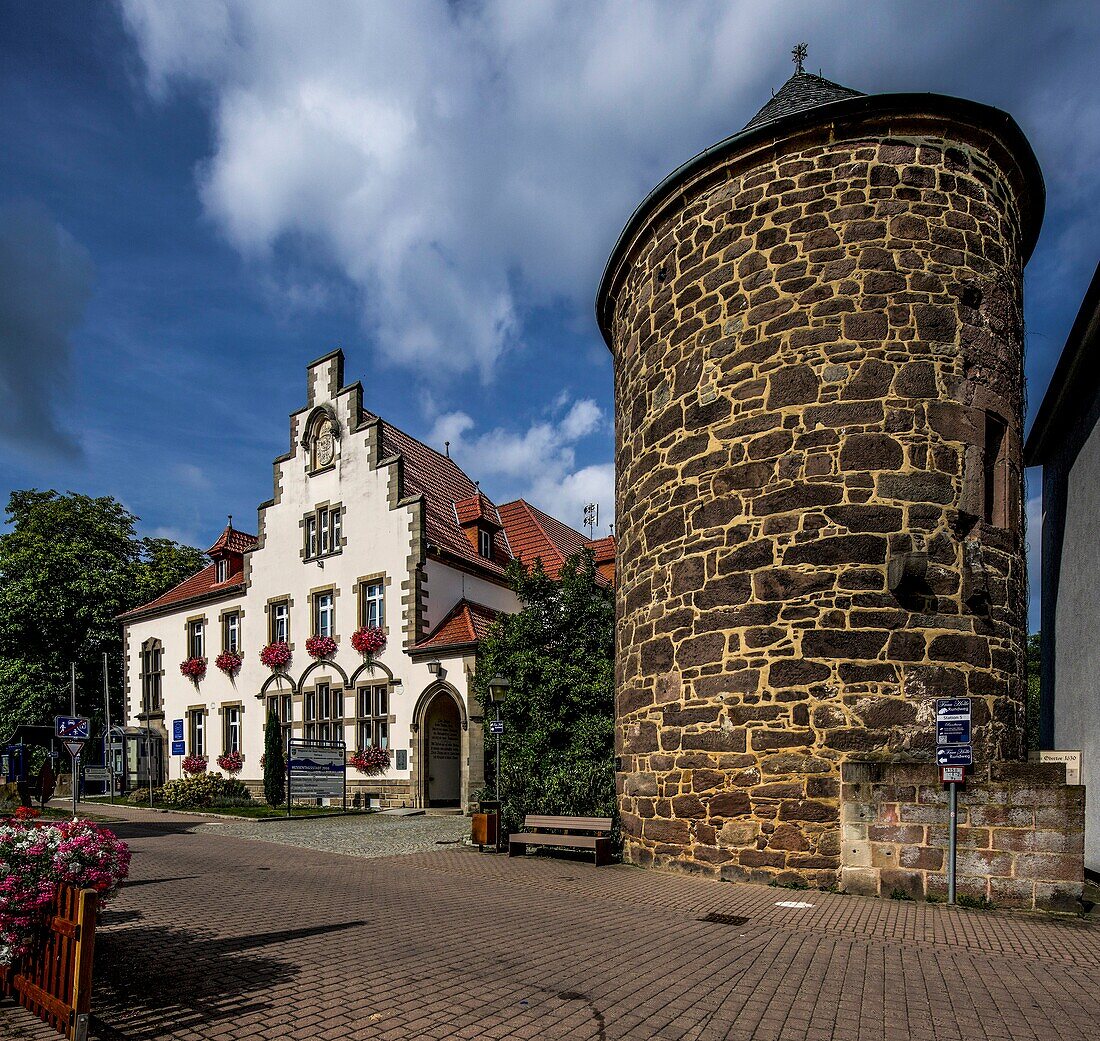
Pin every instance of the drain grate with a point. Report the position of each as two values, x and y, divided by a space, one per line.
724 919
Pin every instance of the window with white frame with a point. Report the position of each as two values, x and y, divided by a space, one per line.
484 543
196 731
231 724
372 603
231 632
196 639
372 723
221 570
323 532
280 622
324 614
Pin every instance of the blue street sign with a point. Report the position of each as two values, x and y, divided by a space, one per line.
178 748
72 728
955 755
177 731
496 726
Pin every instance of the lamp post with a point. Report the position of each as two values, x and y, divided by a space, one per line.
498 688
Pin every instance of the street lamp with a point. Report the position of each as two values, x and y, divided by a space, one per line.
498 688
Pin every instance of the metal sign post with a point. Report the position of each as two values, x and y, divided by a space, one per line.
107 729
496 727
954 753
73 730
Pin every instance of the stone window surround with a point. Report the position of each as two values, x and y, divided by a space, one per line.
361 583
313 594
152 709
189 712
240 706
187 623
223 625
336 688
284 598
315 514
390 718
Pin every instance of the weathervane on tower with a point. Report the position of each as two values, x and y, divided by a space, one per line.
798 56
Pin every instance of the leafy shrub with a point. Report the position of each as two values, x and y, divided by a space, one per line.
203 790
140 796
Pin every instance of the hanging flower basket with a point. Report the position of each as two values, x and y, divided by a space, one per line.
193 668
276 656
193 765
229 662
232 763
320 647
369 641
371 761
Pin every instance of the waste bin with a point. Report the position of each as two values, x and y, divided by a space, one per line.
485 825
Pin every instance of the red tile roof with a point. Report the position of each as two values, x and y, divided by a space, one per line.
603 549
534 535
465 623
232 541
477 507
443 484
198 585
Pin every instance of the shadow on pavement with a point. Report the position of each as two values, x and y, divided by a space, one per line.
151 981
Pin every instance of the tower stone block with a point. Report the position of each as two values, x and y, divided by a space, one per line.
818 338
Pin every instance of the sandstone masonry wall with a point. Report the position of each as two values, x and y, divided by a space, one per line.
1021 834
810 349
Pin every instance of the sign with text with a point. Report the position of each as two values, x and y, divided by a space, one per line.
952 774
315 769
177 729
72 728
955 755
496 726
179 748
952 721
1071 760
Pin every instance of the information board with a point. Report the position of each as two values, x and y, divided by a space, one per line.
955 755
315 769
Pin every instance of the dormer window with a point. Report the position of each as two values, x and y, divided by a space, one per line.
479 520
221 570
485 543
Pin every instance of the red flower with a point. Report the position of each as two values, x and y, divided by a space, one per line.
369 640
194 764
371 761
229 662
320 647
232 762
193 668
275 656
27 813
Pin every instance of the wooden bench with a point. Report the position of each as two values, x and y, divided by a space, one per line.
592 833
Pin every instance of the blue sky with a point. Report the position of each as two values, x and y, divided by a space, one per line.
196 199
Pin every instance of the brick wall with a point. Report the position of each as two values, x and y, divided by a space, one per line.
1020 839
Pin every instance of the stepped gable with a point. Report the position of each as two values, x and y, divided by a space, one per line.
465 624
801 92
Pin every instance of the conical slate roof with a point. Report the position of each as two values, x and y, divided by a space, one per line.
802 91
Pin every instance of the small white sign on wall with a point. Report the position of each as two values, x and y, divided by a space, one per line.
1072 760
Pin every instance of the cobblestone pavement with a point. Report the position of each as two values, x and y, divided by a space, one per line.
220 938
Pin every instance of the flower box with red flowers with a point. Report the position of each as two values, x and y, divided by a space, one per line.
193 668
276 656
320 647
371 761
369 640
232 763
194 764
229 662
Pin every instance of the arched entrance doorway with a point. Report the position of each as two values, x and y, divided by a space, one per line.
442 751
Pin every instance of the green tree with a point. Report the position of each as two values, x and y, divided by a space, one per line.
69 565
274 763
557 750
1034 693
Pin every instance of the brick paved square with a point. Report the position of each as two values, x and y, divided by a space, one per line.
224 936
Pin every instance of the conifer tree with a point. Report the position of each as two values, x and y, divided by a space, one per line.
274 763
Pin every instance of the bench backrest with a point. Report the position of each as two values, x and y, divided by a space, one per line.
533 822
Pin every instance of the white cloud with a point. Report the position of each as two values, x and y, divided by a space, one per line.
538 463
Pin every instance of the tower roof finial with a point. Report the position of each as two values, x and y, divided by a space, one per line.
798 56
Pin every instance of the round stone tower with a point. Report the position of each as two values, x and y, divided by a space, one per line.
818 340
